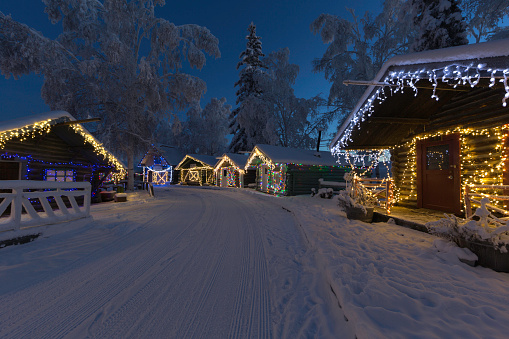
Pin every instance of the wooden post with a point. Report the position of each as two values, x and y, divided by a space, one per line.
16 207
388 195
468 206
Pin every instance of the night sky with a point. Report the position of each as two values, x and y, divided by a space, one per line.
279 23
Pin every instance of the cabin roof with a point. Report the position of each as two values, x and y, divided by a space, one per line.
208 160
74 135
383 119
169 153
278 154
239 160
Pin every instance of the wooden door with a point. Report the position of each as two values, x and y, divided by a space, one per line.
10 170
438 174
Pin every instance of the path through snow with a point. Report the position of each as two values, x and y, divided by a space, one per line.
191 263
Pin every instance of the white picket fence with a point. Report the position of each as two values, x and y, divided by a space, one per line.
22 191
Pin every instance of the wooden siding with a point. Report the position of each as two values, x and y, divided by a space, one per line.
481 111
301 179
49 151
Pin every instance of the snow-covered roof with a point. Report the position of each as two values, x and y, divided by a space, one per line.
238 160
208 160
286 155
171 154
43 121
469 55
30 120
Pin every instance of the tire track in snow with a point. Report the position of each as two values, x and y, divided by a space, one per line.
49 310
118 323
256 283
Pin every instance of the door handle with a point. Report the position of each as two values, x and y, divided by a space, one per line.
450 177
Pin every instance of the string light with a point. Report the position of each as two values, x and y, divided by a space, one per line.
277 172
162 172
231 169
196 173
453 75
43 127
473 170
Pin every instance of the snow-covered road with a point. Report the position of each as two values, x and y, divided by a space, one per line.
191 263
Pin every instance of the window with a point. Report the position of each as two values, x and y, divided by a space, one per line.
59 175
437 157
9 170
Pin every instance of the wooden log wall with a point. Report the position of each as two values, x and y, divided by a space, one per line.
481 159
47 152
301 179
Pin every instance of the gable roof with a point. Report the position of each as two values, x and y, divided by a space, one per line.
74 134
207 160
450 70
170 154
238 160
286 155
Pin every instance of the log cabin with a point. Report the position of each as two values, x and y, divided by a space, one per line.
230 171
197 169
443 115
54 146
291 171
159 163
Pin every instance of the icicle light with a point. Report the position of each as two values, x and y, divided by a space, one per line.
452 75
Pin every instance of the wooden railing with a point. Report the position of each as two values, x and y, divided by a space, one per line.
381 189
55 202
474 197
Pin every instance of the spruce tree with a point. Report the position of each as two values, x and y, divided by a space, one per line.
439 24
248 88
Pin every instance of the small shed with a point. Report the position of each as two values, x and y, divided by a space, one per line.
443 115
197 169
159 163
54 147
231 172
292 171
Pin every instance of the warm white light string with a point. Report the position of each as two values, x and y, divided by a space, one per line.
453 75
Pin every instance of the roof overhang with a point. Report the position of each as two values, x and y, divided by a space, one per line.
418 85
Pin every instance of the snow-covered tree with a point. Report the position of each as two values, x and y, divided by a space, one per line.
439 24
358 48
245 132
114 59
484 18
295 119
204 131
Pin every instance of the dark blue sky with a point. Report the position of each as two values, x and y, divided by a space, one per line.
280 23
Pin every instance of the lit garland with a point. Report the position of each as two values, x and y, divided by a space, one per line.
363 159
231 167
487 173
159 176
276 172
43 127
231 177
452 75
186 172
29 160
99 149
23 133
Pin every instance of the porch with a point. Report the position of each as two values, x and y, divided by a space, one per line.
414 218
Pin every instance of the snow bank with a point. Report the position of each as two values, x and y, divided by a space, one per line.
394 282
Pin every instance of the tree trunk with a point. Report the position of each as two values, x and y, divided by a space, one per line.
130 165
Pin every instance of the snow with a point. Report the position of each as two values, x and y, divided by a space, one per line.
171 154
205 159
472 53
195 262
238 160
29 120
289 155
